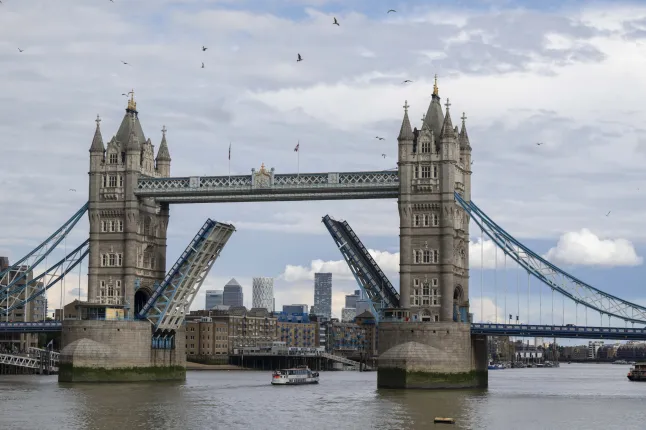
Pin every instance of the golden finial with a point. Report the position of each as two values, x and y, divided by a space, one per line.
435 90
132 105
262 167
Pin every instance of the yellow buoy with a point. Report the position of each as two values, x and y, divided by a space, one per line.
440 420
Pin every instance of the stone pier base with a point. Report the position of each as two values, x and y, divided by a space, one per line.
431 355
117 351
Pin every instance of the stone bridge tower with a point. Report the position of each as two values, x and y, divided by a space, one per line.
127 234
434 162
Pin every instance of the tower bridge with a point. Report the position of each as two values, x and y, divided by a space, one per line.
131 326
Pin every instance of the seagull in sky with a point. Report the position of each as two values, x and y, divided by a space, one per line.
204 48
391 10
127 64
72 189
472 162
20 49
407 81
202 64
336 22
608 213
380 138
383 155
299 58
539 143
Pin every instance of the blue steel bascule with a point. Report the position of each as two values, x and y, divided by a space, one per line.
127 172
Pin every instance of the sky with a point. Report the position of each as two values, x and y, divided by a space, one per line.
567 74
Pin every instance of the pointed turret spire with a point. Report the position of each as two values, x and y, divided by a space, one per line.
447 127
133 143
406 131
434 117
97 142
163 154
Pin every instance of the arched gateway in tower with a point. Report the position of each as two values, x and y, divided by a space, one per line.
131 326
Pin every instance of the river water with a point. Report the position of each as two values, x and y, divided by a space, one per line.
574 396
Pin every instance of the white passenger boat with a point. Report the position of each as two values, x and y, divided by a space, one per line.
294 376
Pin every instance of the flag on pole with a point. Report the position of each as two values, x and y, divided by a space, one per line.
229 151
297 146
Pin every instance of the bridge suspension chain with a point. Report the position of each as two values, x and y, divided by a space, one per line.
25 293
552 276
19 270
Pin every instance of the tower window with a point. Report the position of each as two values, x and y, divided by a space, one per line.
427 256
435 220
436 318
434 282
120 181
416 256
434 171
426 220
426 172
113 159
416 282
416 222
112 181
104 182
435 256
415 172
426 146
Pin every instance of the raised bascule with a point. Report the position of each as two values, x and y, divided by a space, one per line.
131 326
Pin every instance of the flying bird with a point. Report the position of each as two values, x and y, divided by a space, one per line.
204 48
539 143
608 213
127 64
472 162
72 189
407 81
391 10
380 138
202 64
336 22
299 58
383 155
20 49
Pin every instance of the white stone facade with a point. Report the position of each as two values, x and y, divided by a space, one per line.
263 293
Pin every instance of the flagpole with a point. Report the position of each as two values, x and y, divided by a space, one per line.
298 160
229 163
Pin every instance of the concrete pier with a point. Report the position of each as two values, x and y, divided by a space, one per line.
439 355
117 351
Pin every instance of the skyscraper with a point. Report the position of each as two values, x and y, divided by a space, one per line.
263 293
214 298
351 299
232 295
323 295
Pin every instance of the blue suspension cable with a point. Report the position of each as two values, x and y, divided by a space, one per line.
505 285
481 275
495 283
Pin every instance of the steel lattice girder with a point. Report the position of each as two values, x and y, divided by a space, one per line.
289 187
20 295
557 279
178 290
366 271
19 270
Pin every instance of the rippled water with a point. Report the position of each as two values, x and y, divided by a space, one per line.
574 396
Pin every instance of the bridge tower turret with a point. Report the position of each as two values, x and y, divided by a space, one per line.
127 234
433 228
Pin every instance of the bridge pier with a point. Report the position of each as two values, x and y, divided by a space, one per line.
117 351
422 355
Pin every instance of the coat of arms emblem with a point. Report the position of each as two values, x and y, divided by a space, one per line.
263 178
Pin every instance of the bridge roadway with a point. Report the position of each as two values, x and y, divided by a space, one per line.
516 330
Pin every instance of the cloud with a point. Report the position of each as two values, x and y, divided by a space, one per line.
496 64
389 263
587 249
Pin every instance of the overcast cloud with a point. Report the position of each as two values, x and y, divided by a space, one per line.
571 80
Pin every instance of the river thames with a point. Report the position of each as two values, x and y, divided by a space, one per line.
574 396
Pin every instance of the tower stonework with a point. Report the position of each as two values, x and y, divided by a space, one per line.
127 234
127 255
429 344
